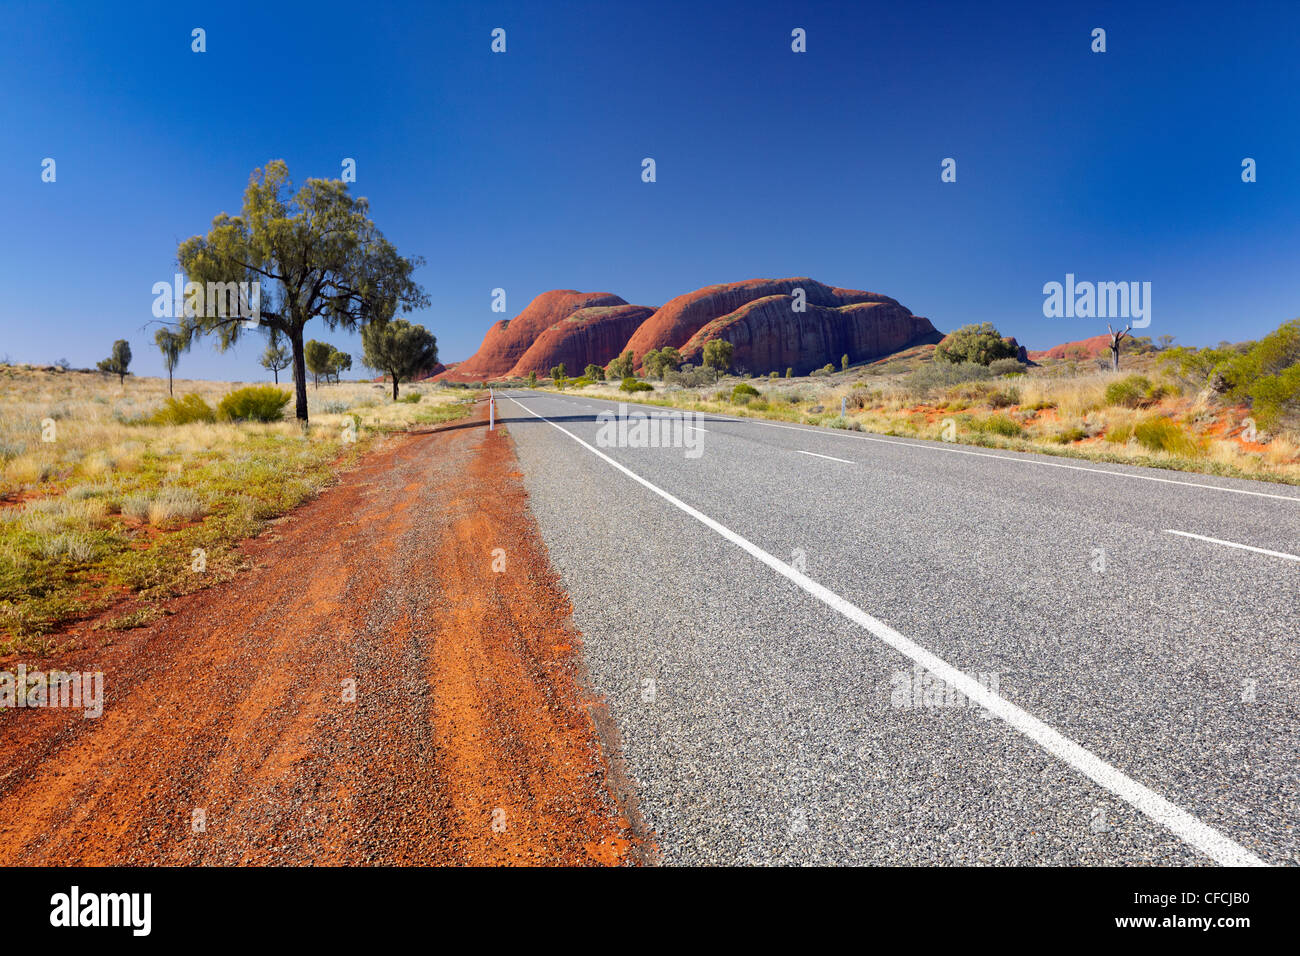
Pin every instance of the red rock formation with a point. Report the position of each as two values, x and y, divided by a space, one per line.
507 341
596 335
1082 350
757 316
681 318
768 335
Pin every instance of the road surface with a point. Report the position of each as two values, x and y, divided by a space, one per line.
764 620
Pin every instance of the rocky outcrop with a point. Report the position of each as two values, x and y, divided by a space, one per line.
768 335
1080 351
681 318
588 336
508 340
758 316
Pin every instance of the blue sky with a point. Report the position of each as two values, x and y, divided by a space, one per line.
522 170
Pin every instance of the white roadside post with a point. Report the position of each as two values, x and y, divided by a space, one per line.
843 402
492 410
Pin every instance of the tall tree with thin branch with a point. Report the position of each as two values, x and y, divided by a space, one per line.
313 253
171 345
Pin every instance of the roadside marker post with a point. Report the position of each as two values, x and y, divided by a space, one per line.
843 403
492 410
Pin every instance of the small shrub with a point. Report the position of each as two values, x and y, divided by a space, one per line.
1070 435
411 398
168 506
256 403
998 425
1161 434
184 411
1004 398
1120 434
631 384
743 388
74 547
1006 366
1135 391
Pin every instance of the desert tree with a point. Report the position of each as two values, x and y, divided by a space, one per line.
1115 339
313 253
339 362
621 367
316 355
718 354
981 344
399 349
171 344
275 358
118 361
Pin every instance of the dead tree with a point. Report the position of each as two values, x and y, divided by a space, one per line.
1115 339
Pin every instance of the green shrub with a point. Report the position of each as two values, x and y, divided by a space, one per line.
631 384
1004 398
744 388
256 403
980 344
1161 434
1120 434
411 398
1132 391
183 411
1006 366
998 425
1070 435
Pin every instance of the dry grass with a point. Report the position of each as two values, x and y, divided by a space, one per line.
1059 409
94 499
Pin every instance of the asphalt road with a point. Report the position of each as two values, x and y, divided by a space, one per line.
765 613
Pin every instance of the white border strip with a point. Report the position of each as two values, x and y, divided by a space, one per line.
938 446
828 457
1233 544
1187 827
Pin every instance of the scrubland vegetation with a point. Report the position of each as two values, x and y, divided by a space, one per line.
111 489
1231 410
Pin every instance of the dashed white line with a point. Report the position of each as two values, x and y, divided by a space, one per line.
935 446
1234 544
830 458
1203 837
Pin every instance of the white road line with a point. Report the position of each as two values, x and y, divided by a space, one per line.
1233 544
815 455
936 446
1187 827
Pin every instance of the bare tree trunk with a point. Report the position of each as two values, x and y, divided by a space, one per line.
299 374
169 382
394 386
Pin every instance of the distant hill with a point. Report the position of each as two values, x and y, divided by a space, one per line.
1080 351
772 324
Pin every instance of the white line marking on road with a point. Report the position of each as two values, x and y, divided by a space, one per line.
815 455
1203 837
1233 544
935 446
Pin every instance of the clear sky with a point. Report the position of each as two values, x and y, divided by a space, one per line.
522 170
